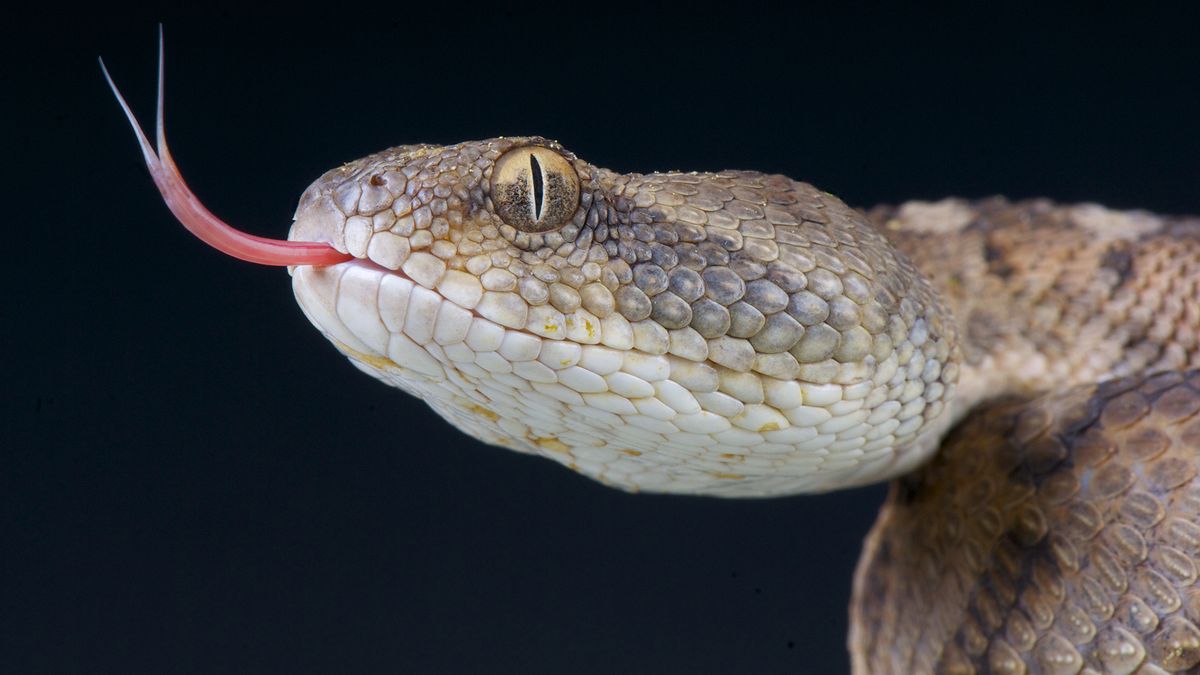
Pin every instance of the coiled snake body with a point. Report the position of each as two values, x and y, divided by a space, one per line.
740 334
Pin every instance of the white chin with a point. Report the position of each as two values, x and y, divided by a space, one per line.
618 416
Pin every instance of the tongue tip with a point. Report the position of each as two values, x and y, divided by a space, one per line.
194 216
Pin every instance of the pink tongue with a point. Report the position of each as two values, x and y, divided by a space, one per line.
200 221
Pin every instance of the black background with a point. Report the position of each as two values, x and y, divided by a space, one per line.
193 481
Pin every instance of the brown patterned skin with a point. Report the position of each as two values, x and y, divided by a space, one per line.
1057 534
1048 295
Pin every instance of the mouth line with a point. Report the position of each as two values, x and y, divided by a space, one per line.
376 268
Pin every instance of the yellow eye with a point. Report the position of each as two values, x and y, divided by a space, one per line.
534 189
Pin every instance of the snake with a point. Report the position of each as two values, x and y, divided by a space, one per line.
1024 373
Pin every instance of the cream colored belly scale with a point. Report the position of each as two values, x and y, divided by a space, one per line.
615 401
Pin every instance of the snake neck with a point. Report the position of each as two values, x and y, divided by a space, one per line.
1047 295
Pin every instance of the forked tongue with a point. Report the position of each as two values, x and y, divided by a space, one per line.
199 220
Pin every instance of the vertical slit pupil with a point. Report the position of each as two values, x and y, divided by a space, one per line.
535 168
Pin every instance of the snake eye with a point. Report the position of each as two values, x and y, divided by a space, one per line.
534 189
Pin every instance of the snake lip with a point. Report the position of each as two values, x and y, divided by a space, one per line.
194 216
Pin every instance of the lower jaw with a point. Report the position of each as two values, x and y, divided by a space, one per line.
492 383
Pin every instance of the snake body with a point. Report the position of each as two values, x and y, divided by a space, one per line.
741 334
1058 528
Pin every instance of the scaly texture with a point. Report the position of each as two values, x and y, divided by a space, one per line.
733 334
1049 536
999 557
740 334
1047 295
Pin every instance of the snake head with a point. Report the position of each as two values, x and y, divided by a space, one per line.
646 330
731 333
